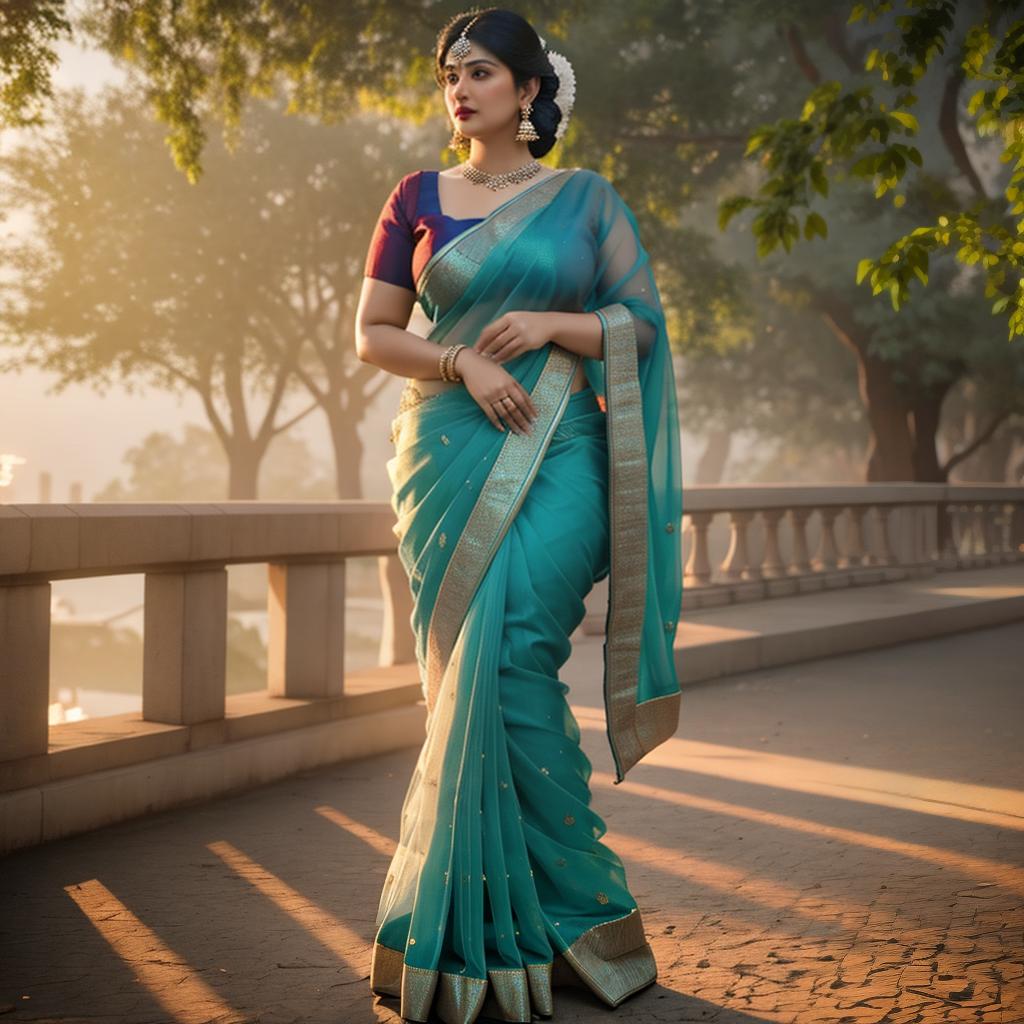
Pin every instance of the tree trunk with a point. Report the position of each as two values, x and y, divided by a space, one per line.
712 461
889 453
348 451
926 414
244 471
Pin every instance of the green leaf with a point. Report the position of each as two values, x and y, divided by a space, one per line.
1000 304
863 269
755 142
815 225
729 207
906 119
819 180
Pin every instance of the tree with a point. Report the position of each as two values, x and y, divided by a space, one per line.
850 130
669 126
194 468
238 288
29 30
908 360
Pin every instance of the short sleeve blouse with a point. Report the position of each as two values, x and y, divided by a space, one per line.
410 229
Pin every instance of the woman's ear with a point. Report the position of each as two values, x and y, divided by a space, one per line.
529 89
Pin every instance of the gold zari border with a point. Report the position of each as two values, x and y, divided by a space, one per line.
613 959
463 256
496 506
627 515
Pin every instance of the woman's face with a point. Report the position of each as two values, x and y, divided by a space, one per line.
480 94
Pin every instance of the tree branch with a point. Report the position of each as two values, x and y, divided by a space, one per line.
982 438
803 60
949 131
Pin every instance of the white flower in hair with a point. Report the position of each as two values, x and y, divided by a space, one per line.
565 96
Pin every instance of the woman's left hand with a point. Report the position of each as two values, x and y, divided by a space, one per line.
513 333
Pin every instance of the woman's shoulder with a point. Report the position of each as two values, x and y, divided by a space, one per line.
412 178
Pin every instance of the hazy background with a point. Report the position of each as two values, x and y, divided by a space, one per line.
127 283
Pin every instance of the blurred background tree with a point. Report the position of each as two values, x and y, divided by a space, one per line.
669 95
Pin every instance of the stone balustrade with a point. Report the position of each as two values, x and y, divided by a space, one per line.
753 542
739 544
183 552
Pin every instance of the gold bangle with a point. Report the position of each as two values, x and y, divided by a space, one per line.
443 365
447 363
456 349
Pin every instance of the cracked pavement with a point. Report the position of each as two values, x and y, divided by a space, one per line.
834 842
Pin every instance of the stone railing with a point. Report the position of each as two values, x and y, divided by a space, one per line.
183 552
740 544
753 542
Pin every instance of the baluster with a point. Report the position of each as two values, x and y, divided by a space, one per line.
306 629
24 672
977 534
801 555
737 560
886 555
184 649
397 640
827 556
698 566
856 554
948 556
772 566
993 533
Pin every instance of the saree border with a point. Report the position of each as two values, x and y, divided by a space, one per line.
494 227
500 498
613 958
627 514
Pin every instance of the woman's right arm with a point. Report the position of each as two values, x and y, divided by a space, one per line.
381 337
381 340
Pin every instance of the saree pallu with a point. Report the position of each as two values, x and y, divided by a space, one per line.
500 872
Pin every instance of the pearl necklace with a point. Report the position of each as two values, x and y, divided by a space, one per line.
503 180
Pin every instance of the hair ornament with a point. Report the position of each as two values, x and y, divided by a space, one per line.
565 96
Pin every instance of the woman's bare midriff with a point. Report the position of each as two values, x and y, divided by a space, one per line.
579 382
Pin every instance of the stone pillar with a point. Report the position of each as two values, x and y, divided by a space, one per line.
185 646
306 629
24 670
397 640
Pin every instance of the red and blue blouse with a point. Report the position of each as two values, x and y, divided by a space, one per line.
410 229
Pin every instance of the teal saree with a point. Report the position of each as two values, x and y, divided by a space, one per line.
500 872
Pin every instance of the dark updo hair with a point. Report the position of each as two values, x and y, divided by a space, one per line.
514 41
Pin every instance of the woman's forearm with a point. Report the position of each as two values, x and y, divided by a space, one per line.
578 332
402 352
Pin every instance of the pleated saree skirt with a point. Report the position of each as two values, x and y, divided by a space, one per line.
504 878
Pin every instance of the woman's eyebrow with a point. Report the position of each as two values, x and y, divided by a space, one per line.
466 63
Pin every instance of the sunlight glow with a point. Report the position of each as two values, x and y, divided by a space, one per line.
375 840
167 976
712 874
946 798
333 934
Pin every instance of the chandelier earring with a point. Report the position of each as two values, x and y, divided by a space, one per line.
458 141
526 132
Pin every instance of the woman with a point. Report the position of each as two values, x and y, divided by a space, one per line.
515 489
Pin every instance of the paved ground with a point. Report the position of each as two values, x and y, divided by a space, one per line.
836 841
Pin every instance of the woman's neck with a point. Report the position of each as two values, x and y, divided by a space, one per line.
496 158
